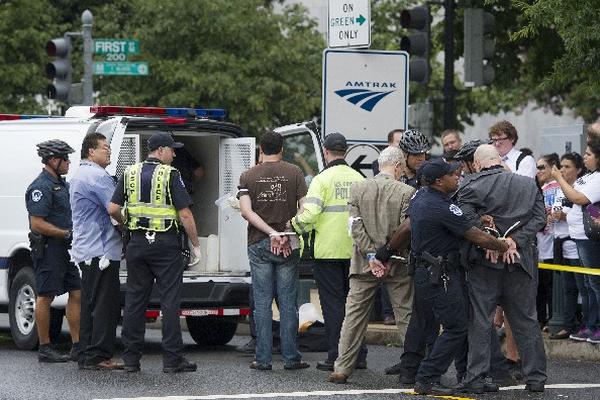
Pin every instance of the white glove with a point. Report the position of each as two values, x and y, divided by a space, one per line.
194 256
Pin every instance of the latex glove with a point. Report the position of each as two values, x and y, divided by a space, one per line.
194 256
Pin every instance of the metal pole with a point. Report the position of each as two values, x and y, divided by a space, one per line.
449 89
88 49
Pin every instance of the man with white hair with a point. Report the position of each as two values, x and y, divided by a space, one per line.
518 212
377 207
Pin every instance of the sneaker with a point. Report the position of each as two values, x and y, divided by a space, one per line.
582 335
247 348
260 366
75 352
48 354
296 365
595 337
183 366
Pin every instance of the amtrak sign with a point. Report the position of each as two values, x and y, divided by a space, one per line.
365 93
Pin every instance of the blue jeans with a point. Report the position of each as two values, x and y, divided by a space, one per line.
589 254
268 269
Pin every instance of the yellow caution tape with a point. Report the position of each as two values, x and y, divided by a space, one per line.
568 268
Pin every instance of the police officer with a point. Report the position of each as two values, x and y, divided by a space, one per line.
156 205
415 147
47 201
326 212
436 228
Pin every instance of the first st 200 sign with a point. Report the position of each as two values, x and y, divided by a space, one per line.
349 23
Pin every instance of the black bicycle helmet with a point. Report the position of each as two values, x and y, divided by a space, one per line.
414 142
465 153
53 148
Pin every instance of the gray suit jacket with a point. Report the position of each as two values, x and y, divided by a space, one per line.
508 198
381 203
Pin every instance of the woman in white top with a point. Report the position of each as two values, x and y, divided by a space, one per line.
585 191
565 252
545 238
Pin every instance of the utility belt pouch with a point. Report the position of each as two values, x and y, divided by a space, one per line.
412 264
37 243
435 272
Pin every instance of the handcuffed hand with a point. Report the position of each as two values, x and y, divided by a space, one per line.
384 253
280 245
510 255
378 269
492 255
195 255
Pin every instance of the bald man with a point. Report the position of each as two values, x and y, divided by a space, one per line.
510 281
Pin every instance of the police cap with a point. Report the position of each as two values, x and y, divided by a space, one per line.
435 168
162 139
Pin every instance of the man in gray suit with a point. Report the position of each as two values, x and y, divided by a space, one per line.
377 207
511 281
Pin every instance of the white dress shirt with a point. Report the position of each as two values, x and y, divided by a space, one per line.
527 165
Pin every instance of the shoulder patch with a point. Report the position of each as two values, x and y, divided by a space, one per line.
36 195
456 210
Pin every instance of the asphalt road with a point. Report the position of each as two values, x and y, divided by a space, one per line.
224 374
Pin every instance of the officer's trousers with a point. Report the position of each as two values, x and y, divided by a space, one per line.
100 311
361 297
515 291
331 277
161 261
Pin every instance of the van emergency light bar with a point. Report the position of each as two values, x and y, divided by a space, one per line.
212 113
13 117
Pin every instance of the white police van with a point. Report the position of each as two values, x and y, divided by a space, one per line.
215 292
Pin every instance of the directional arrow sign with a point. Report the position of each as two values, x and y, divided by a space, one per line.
121 68
349 23
361 157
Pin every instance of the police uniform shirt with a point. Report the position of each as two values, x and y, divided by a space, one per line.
179 196
436 223
48 197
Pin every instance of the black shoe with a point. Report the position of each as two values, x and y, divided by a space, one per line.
131 368
48 354
478 386
361 364
515 370
406 378
260 366
325 365
247 348
434 388
75 352
535 387
296 365
395 369
183 366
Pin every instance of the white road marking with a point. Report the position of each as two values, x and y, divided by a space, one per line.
333 393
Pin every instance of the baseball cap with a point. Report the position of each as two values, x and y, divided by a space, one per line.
435 168
162 139
336 142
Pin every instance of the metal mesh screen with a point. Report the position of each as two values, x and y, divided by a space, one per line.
236 158
128 154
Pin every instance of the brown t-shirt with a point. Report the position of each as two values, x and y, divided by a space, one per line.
274 189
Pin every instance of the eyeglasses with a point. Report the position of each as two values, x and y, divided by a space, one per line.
541 167
498 140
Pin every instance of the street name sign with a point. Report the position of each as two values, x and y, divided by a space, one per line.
365 93
121 68
349 23
125 46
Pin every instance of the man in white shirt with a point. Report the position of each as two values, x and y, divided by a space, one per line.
504 136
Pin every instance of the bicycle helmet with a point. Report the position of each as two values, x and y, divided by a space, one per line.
414 142
53 148
465 153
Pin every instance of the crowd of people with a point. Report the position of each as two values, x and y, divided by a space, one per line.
454 241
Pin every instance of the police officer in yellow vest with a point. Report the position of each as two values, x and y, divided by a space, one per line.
156 207
326 212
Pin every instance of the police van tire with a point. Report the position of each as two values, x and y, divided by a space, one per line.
210 330
21 307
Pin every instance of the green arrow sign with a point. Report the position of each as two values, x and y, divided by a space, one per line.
121 68
126 46
361 20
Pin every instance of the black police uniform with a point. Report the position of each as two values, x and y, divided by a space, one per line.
161 260
437 225
48 197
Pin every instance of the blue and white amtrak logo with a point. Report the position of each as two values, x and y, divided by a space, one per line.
363 95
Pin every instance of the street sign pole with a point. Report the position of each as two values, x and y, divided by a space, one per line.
88 49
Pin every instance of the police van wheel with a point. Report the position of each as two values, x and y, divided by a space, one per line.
21 310
211 331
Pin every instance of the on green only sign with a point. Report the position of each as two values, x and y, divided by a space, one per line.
121 68
125 46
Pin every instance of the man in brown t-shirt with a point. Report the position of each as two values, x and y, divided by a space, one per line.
270 194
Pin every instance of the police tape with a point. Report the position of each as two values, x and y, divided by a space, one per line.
568 268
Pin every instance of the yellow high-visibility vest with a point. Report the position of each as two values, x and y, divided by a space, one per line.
159 212
326 211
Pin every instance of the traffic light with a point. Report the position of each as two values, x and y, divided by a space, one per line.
418 43
60 69
479 47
